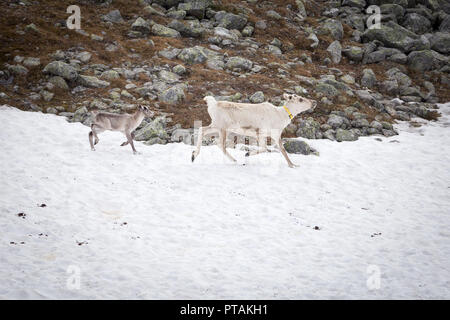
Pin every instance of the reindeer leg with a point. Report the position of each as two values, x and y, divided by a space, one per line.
202 131
262 146
223 146
284 153
90 141
126 142
130 141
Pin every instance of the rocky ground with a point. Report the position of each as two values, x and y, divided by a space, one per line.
169 54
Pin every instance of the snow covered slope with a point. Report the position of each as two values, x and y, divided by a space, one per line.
155 225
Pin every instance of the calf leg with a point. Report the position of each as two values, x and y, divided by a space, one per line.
90 141
126 142
130 141
95 129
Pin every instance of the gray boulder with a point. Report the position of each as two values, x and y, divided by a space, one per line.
333 28
327 89
354 53
298 147
417 23
440 42
141 25
92 82
189 29
113 16
345 135
257 97
162 31
426 60
230 21
62 69
59 82
192 55
335 50
393 35
308 128
172 95
239 63
154 129
196 8
368 78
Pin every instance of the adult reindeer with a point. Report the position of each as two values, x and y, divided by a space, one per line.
259 120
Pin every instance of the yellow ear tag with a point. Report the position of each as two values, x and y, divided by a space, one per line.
289 113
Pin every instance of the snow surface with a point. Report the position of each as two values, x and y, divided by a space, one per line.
214 229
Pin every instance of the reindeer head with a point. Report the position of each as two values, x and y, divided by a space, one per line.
298 104
146 111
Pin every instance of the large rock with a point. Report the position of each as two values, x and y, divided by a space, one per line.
257 97
230 20
309 129
162 31
141 25
17 69
327 89
192 55
225 33
417 23
92 82
298 147
113 16
172 95
335 50
187 29
392 35
59 82
239 63
154 129
336 121
354 53
426 60
345 135
196 8
440 42
333 28
62 69
368 78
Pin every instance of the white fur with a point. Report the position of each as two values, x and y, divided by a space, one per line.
260 120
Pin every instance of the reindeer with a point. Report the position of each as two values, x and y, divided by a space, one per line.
261 120
125 123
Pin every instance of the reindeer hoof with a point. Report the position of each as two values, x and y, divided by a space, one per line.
247 154
92 149
124 144
193 156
